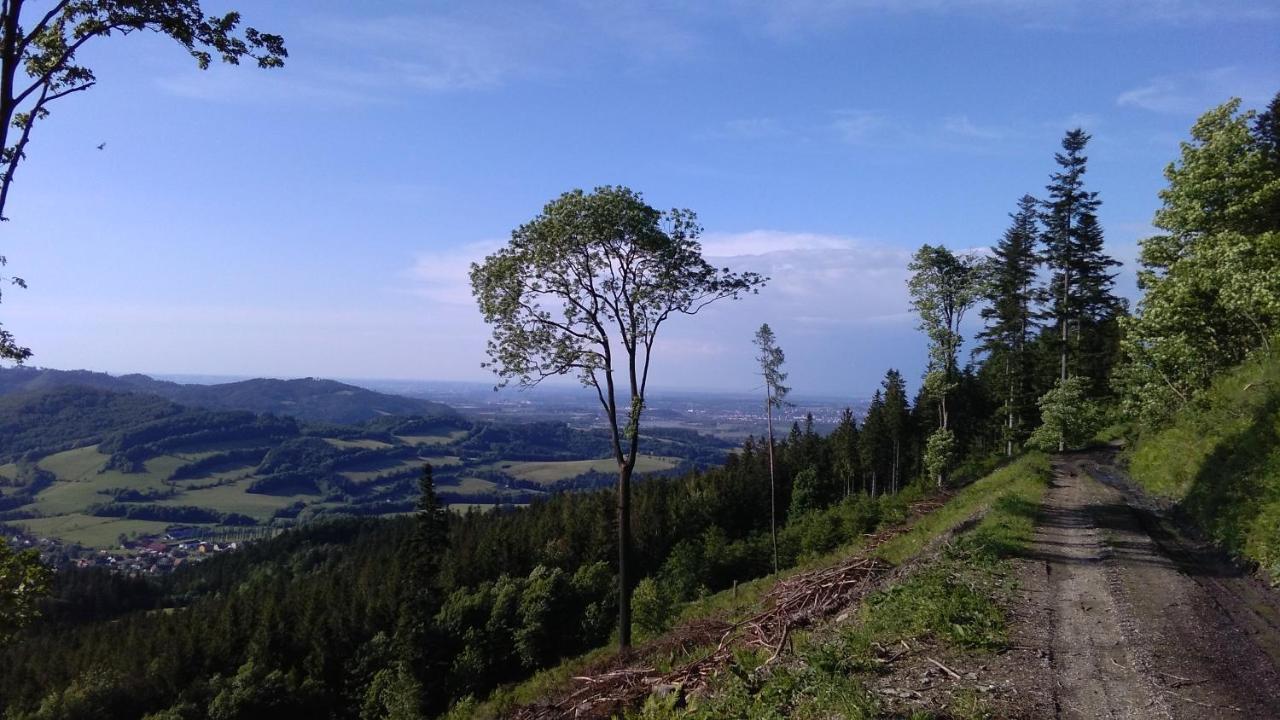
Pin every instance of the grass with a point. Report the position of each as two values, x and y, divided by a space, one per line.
75 464
433 439
547 473
1219 459
1019 477
233 497
364 444
373 470
91 531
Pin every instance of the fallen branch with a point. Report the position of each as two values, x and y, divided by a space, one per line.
948 670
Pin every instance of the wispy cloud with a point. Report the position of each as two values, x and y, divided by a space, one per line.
1192 93
961 125
443 276
756 128
862 126
799 18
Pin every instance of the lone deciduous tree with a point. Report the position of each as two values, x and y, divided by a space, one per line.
943 287
39 65
582 289
771 358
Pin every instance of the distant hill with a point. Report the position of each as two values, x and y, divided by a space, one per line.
87 465
306 399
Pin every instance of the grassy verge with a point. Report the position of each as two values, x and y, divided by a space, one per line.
955 601
1220 461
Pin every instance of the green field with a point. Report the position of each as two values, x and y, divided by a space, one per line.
360 476
361 444
546 473
433 439
64 507
91 531
233 497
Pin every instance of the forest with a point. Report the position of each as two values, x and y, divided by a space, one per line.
406 617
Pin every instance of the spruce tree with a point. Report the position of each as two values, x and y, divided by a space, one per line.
1010 292
897 418
874 441
845 455
1080 290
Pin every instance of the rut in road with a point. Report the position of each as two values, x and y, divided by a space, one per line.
1143 623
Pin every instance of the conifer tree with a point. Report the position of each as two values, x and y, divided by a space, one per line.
897 418
1010 292
1080 291
419 649
845 456
771 358
873 442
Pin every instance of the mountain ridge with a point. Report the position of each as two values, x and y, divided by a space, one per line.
312 399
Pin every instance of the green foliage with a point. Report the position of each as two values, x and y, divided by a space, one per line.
940 453
1069 419
392 695
771 359
24 581
1009 288
956 600
1080 290
943 287
1211 290
652 607
1219 458
582 290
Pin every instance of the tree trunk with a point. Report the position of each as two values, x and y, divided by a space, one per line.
894 480
1008 441
624 552
773 493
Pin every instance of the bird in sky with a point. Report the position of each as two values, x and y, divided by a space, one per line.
103 146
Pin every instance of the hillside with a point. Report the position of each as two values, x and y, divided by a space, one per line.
90 466
1218 461
305 398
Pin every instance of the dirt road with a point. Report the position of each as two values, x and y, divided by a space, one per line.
1138 621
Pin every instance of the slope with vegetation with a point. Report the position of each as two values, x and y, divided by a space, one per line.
310 399
1219 460
91 467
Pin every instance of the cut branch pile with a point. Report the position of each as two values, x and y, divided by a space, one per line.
794 602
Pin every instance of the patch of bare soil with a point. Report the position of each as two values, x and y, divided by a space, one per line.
1132 619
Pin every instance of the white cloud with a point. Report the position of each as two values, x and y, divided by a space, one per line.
759 128
443 276
860 126
962 125
1193 93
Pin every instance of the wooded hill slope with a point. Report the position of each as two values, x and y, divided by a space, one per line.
304 398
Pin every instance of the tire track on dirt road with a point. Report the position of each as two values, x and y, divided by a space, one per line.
1141 624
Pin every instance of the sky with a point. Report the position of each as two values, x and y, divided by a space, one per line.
319 220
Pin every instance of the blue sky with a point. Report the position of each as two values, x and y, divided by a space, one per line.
318 220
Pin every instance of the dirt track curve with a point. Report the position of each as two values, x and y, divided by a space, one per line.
1135 620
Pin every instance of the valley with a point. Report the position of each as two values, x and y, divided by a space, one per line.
135 469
